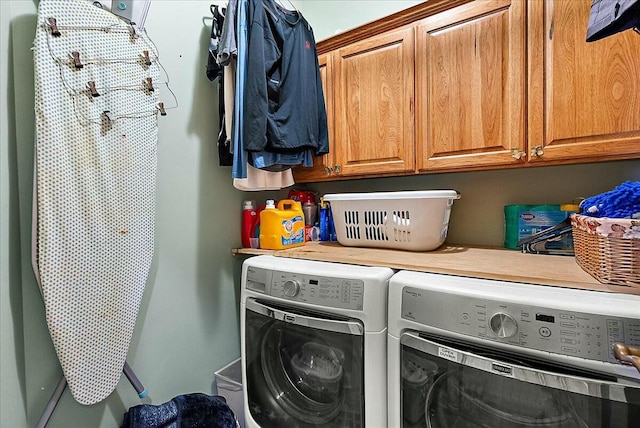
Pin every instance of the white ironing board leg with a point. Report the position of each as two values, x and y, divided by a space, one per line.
57 393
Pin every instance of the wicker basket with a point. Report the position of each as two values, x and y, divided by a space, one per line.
608 248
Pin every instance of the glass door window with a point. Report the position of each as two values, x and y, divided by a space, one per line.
304 369
458 386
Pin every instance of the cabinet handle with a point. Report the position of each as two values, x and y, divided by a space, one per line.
328 170
337 169
551 30
517 153
537 151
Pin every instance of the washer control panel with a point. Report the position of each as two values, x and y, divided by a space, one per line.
578 334
333 292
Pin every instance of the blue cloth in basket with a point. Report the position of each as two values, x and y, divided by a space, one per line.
621 202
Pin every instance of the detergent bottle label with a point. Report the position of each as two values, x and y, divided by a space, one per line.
293 231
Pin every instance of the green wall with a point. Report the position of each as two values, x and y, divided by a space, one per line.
329 17
188 323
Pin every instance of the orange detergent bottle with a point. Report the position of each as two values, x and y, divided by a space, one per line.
282 226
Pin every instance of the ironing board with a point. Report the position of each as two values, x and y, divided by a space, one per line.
96 113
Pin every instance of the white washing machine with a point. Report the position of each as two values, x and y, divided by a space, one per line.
314 343
471 353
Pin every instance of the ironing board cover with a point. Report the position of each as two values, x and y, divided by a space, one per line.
95 187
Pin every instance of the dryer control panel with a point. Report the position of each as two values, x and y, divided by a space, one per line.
564 332
319 290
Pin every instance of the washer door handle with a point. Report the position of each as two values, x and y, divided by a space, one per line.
593 387
349 326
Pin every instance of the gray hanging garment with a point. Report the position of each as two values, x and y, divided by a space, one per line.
608 17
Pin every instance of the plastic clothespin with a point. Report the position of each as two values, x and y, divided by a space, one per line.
147 59
53 24
75 55
106 116
133 30
92 88
149 84
163 112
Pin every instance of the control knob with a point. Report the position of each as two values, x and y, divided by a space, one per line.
503 325
291 287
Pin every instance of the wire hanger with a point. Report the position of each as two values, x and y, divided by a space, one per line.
152 107
281 2
220 10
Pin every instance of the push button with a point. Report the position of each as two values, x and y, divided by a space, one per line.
545 331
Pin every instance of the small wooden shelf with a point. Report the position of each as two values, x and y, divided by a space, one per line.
478 262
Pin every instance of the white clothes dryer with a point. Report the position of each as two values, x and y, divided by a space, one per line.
313 343
475 353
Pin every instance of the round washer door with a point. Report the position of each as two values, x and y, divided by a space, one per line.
303 370
472 387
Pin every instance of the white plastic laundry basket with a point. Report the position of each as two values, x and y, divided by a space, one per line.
416 221
229 385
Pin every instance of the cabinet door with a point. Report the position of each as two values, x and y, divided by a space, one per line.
584 97
322 165
470 88
374 105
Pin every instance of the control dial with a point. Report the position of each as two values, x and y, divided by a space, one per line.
291 287
503 325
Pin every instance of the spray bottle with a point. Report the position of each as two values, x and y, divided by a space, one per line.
325 221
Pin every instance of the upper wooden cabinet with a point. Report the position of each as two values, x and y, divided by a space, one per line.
470 86
322 165
374 95
496 84
369 89
584 98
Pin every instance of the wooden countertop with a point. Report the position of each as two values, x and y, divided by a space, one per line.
489 263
